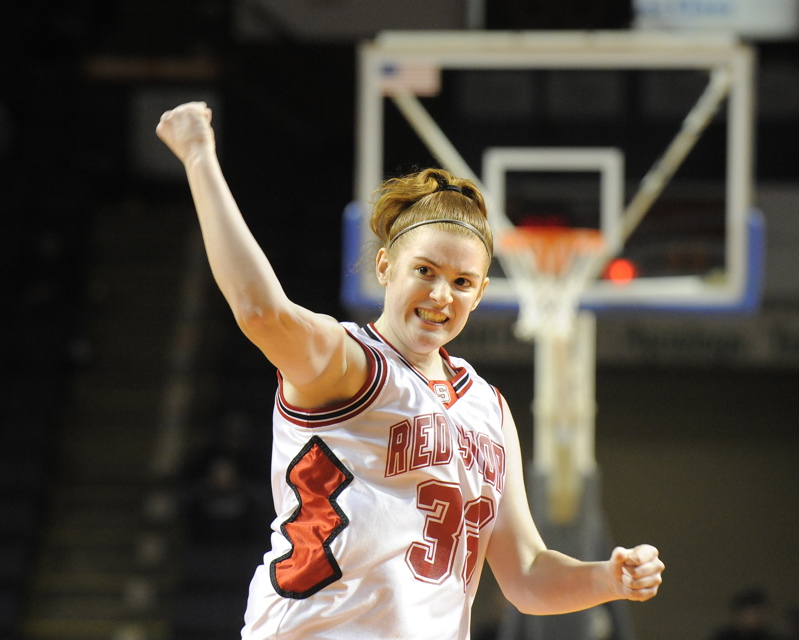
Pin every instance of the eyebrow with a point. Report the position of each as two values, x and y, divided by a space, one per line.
437 265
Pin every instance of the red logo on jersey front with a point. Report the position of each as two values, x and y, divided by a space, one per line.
445 393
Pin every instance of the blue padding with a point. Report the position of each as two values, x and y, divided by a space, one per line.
751 296
756 262
350 295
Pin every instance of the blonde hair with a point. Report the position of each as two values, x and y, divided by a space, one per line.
428 196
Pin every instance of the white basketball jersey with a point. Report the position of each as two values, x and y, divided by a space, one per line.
385 504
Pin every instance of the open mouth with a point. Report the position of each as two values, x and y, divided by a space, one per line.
431 316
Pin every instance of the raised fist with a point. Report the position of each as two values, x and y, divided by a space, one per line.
186 130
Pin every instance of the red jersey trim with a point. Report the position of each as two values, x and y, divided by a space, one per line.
501 406
345 410
460 384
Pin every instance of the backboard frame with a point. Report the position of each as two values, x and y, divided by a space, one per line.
738 291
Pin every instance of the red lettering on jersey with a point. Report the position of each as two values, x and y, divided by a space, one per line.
446 520
399 446
477 514
421 453
426 443
441 502
485 458
466 446
489 456
499 462
442 453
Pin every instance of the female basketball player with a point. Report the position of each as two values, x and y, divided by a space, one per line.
396 468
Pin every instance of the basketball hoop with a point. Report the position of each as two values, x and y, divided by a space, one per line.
560 262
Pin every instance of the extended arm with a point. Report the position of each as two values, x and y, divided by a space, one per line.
541 581
319 362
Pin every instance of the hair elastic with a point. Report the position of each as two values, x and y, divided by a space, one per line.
460 223
450 187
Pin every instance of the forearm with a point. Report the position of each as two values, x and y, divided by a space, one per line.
539 581
239 266
307 347
556 583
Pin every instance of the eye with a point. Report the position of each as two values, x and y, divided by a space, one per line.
423 271
463 283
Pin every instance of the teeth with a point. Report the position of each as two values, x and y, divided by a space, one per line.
431 316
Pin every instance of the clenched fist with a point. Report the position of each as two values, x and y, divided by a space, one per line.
638 571
187 131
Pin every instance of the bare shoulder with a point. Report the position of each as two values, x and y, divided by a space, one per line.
346 370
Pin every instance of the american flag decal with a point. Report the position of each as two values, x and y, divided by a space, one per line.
418 78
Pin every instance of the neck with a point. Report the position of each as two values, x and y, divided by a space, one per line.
432 367
430 364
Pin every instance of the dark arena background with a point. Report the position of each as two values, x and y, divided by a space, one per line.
135 421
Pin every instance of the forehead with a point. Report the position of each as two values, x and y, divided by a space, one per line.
464 251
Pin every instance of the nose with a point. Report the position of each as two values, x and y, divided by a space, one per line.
441 292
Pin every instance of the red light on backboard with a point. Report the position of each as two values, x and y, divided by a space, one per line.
621 271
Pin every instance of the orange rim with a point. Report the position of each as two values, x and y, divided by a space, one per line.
553 247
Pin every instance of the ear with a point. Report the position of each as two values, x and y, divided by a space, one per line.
480 294
382 266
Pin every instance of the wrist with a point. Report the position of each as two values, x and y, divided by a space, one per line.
608 580
198 154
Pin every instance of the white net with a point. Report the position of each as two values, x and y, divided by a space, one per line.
557 266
